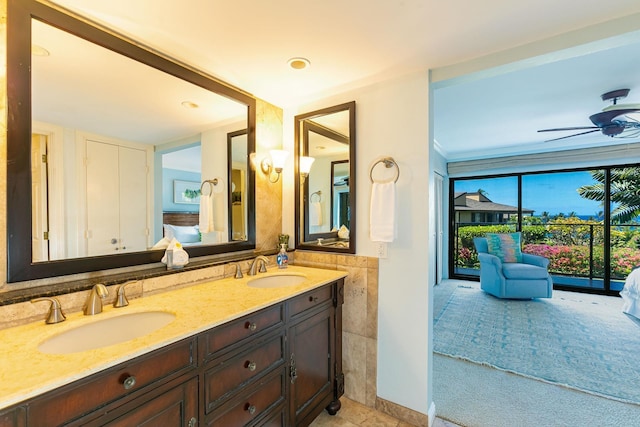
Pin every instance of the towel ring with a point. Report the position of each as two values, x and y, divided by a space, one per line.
317 193
213 183
388 163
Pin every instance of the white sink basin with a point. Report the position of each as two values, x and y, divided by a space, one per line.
277 281
105 332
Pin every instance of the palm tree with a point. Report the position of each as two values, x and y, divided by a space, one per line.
625 192
482 192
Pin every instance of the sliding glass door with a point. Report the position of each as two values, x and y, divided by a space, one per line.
568 227
586 222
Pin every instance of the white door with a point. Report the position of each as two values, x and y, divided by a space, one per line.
103 200
133 199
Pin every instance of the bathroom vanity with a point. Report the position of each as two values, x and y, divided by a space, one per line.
277 364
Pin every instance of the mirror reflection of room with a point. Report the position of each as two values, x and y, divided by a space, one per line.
119 166
327 189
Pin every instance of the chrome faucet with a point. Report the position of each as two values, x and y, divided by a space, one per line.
121 296
55 314
94 301
238 274
260 261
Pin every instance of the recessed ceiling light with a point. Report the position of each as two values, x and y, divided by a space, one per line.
39 50
189 104
298 63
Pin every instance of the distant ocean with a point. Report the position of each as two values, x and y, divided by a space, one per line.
583 217
589 217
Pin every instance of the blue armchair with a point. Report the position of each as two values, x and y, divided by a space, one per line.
513 280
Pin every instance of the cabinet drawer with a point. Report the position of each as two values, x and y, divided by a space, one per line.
240 330
224 380
310 299
85 396
268 394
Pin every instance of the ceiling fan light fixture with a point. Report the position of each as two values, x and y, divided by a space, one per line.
613 130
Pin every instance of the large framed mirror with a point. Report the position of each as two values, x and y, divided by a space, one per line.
326 198
114 149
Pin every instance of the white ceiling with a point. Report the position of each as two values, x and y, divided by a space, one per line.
358 42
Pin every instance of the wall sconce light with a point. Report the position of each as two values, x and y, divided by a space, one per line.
305 166
274 163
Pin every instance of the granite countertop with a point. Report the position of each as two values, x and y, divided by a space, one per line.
27 372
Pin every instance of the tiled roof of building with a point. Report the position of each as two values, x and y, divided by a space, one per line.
464 203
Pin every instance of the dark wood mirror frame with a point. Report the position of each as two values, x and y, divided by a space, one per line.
19 253
302 189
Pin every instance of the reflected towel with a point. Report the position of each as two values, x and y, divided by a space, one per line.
382 216
206 214
219 212
315 214
180 257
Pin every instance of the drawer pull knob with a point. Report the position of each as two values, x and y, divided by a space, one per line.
313 299
250 366
193 422
129 382
250 408
251 326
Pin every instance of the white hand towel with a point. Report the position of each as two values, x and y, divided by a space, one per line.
179 255
382 218
315 214
206 213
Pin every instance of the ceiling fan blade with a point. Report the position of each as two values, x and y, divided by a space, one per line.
575 134
604 118
571 128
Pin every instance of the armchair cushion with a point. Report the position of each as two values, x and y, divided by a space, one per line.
514 270
505 246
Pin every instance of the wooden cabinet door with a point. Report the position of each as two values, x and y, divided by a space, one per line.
177 407
311 366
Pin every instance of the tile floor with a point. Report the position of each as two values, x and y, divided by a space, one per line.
354 414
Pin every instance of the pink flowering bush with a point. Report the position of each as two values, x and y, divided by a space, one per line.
574 260
623 260
565 243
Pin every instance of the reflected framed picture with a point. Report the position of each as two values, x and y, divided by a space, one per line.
186 192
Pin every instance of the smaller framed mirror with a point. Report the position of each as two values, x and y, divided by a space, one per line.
325 195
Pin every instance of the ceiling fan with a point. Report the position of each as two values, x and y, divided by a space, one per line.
613 121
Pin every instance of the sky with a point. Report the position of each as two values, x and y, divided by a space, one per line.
551 192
